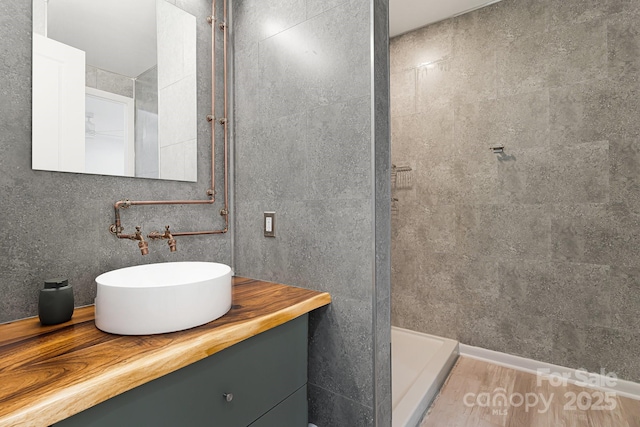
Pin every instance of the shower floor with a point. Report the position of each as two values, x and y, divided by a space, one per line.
468 398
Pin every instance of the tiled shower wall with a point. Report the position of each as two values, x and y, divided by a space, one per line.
177 88
109 82
146 102
57 224
536 251
304 146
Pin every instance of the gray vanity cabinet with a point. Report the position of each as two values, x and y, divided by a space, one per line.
259 382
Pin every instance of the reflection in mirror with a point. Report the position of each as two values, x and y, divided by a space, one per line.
114 88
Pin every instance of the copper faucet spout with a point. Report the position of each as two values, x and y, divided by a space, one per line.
171 241
142 244
144 248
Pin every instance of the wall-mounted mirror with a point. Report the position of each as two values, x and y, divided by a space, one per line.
114 88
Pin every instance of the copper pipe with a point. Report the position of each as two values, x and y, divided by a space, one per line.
199 233
226 116
117 228
144 248
212 193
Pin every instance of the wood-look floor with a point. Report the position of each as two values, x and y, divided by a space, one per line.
469 399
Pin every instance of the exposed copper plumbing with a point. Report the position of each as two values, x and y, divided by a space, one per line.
118 230
142 244
225 121
167 235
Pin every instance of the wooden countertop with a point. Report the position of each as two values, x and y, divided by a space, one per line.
49 373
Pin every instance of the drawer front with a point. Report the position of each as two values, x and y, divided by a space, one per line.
259 372
290 413
263 374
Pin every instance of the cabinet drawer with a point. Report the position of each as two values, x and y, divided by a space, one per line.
290 413
263 374
260 372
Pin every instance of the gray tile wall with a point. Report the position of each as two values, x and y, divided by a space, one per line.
382 164
146 104
535 252
57 224
108 81
304 148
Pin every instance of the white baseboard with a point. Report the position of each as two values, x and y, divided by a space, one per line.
573 376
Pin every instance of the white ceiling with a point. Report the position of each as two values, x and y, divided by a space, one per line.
407 15
105 29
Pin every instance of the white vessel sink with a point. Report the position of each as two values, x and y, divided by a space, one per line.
160 298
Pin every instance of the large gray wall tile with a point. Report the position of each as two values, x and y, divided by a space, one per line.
595 348
533 251
595 110
504 231
530 337
624 170
114 83
15 89
403 93
407 51
435 85
598 234
431 226
306 66
305 145
522 66
563 175
520 121
417 134
431 316
15 33
576 11
612 350
562 291
247 69
475 75
339 151
341 353
257 20
623 37
624 294
285 258
340 240
342 411
564 55
514 19
626 6
316 7
282 139
316 246
577 52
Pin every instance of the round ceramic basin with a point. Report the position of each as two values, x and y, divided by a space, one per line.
160 298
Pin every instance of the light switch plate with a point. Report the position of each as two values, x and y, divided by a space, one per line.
269 225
